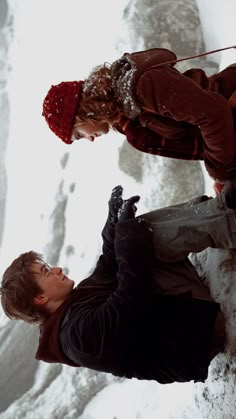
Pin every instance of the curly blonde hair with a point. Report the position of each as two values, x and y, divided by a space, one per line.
98 103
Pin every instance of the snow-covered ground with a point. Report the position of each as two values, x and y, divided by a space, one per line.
57 204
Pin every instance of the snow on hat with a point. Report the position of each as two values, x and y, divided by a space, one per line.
59 108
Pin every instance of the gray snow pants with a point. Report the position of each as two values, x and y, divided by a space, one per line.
192 227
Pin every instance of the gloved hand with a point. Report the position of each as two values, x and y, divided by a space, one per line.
115 202
128 209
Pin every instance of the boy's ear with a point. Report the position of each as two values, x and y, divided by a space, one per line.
40 299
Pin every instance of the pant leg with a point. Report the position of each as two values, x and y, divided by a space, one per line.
184 228
192 227
178 279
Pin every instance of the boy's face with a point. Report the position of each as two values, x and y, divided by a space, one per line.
55 286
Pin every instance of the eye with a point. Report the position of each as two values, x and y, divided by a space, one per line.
47 268
77 136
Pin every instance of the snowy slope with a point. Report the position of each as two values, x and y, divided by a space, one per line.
70 187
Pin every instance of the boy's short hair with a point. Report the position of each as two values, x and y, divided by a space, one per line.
19 287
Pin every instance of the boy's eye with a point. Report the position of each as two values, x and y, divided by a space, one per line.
47 268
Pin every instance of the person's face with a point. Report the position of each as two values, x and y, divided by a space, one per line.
89 130
55 286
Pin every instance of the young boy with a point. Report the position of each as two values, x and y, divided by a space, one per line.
143 312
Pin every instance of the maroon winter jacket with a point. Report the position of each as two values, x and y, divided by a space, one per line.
184 116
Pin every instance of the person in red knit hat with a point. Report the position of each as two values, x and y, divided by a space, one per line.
160 110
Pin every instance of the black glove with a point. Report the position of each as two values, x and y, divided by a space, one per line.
128 209
115 202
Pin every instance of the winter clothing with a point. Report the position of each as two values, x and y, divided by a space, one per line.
192 227
115 203
141 314
59 108
128 208
183 116
230 193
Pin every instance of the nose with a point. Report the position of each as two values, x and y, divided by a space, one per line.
57 270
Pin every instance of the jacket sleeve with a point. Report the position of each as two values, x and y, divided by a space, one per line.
169 93
107 261
129 251
134 255
100 324
148 141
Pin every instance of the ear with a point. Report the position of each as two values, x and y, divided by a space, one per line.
40 299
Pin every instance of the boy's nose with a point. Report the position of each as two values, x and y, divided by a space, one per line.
57 270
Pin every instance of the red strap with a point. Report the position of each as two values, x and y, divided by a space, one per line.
195 56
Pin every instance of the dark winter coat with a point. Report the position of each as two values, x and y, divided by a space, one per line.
116 322
183 116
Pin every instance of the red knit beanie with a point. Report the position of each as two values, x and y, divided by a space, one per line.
59 108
